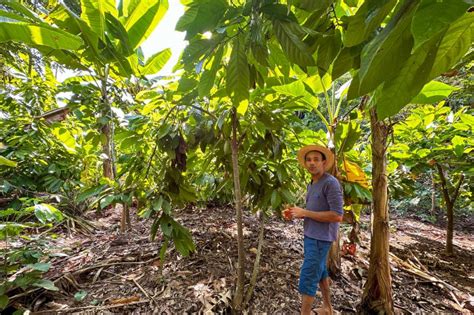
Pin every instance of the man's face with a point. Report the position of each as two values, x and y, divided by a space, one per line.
314 162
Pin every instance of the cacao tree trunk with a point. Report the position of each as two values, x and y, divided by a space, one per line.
239 292
450 201
433 194
377 296
106 129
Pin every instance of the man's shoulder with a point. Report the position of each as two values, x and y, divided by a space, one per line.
329 178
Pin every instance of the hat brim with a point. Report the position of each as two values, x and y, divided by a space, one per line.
312 147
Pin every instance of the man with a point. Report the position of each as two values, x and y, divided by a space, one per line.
324 202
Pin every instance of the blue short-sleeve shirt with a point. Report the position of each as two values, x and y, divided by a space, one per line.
323 195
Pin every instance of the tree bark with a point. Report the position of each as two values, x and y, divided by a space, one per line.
450 201
433 194
256 265
106 129
239 293
377 296
334 255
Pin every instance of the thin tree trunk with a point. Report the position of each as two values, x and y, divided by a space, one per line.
377 296
256 265
106 129
334 255
433 194
450 201
239 293
125 220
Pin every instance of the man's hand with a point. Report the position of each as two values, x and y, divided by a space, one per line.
297 212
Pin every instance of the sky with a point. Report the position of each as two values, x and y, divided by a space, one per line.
164 36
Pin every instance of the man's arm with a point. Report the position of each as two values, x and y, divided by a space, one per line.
321 216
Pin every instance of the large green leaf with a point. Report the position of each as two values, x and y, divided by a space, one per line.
3 301
384 56
433 16
208 76
297 89
456 42
313 5
18 7
346 136
202 16
329 47
46 284
7 162
289 35
143 20
343 63
93 14
433 92
367 18
38 35
127 6
156 62
118 31
414 75
47 213
238 73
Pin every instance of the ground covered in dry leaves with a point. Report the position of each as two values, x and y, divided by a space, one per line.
122 274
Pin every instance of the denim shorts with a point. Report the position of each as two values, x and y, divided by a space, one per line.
314 268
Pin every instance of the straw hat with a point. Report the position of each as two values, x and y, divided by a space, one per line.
312 147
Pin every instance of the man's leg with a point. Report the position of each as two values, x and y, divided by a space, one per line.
324 286
306 304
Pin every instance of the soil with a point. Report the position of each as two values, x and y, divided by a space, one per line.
113 273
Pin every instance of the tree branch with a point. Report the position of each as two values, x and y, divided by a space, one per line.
444 185
458 186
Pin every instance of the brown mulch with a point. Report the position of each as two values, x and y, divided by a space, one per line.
122 274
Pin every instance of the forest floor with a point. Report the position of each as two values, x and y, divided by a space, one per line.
122 274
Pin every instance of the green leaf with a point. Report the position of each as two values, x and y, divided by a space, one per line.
43 267
106 201
46 284
90 192
366 20
80 295
289 35
116 28
208 76
38 35
143 20
297 89
156 62
433 16
187 18
397 93
3 301
343 63
433 92
202 16
93 14
456 42
238 75
329 47
385 55
346 136
7 162
11 229
313 5
278 11
47 213
18 7
66 138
